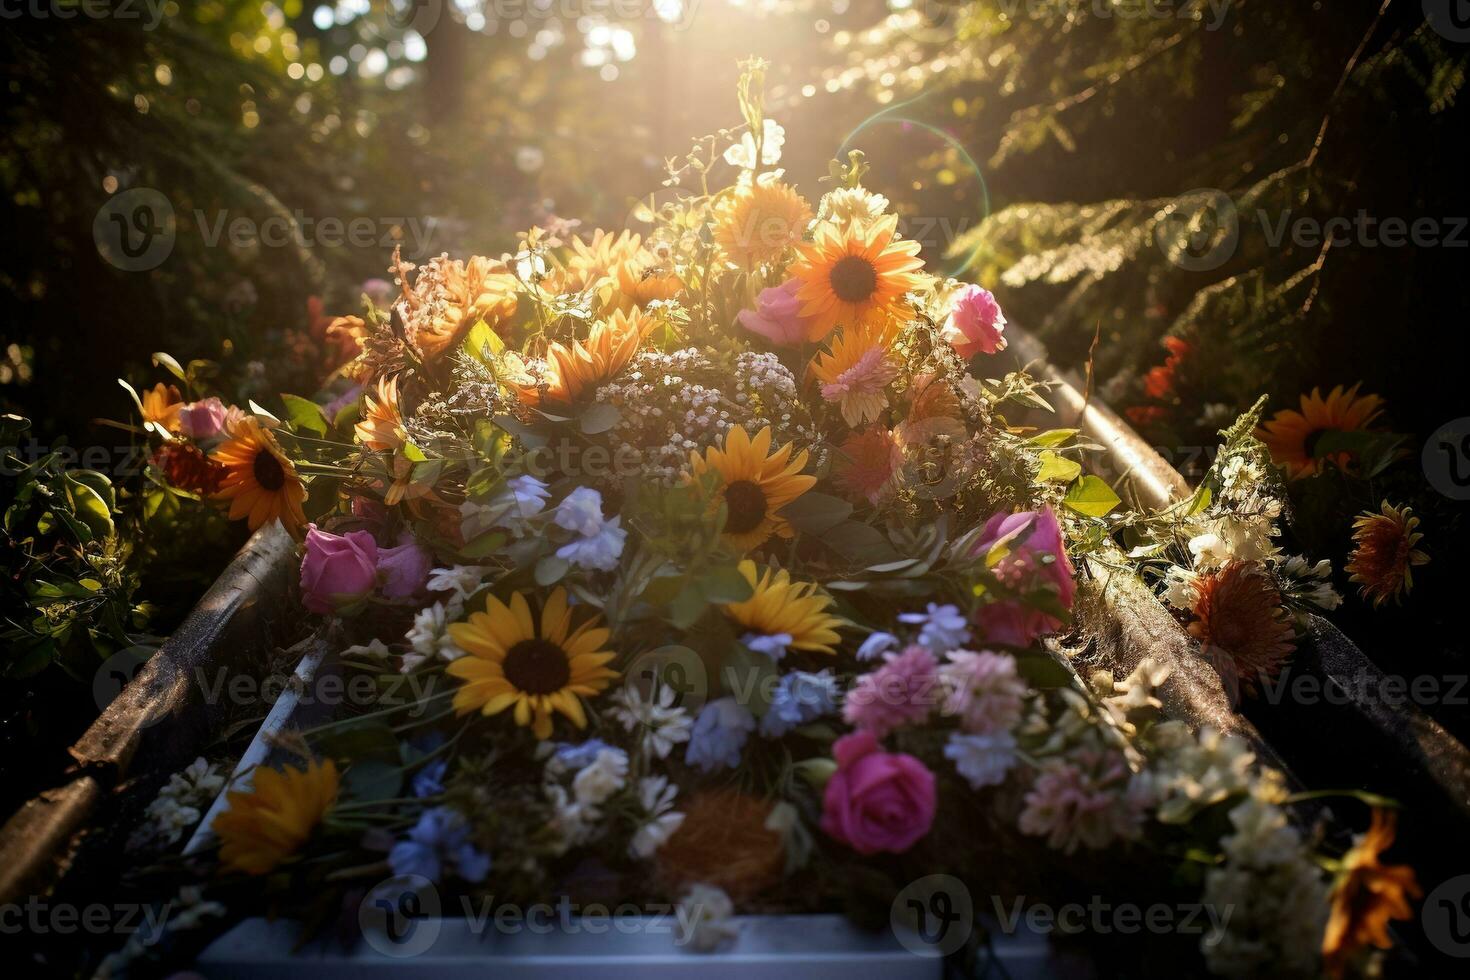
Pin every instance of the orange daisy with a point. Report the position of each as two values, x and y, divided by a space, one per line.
638 282
856 274
1241 624
1292 436
1367 896
856 371
758 222
753 485
448 297
568 371
161 404
591 261
1384 555
259 482
381 428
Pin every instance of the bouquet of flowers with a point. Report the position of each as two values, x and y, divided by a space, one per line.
728 571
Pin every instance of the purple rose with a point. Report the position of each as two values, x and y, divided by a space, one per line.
776 315
337 569
1035 558
405 569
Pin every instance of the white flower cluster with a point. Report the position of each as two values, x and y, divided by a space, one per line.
178 805
1193 772
578 805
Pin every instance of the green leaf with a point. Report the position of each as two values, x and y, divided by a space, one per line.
1052 438
1057 469
305 415
551 569
174 368
814 513
599 417
725 584
481 338
1091 496
687 606
89 506
1043 671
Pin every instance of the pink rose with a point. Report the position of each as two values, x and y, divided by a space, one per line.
202 419
405 569
337 569
1036 558
877 801
975 323
775 316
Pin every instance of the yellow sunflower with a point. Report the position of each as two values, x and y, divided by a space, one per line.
856 274
856 371
570 371
381 428
781 606
753 485
759 221
537 669
259 482
266 825
1367 896
1292 436
162 404
1384 555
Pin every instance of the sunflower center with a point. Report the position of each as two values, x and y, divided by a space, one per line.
269 472
746 505
537 666
854 279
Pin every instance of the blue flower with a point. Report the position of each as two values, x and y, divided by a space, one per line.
773 646
429 781
799 698
581 512
719 734
600 550
579 755
942 628
440 837
877 643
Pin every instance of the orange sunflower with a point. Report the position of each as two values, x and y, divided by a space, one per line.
752 485
1292 436
1241 624
259 482
1384 555
381 428
569 371
268 824
1368 894
856 274
535 667
759 221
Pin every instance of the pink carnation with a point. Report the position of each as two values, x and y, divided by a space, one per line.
899 693
877 801
985 692
1036 559
776 315
1092 799
975 323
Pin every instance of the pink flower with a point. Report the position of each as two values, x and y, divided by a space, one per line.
405 568
1035 558
1092 799
975 323
337 569
203 419
775 316
877 801
899 693
984 690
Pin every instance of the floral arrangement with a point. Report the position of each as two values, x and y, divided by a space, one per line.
733 573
